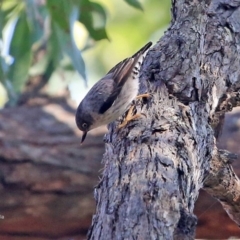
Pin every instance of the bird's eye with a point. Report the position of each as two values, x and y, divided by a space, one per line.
84 125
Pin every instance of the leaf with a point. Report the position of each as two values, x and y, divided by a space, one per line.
60 11
54 47
2 18
20 50
8 5
49 70
64 14
102 16
3 70
135 4
35 19
71 47
5 11
63 42
93 16
99 34
11 9
4 67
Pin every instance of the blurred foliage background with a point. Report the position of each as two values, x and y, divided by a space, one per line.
48 46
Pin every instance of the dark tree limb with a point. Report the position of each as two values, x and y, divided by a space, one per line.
155 167
223 184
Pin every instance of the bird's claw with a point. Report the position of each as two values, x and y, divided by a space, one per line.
144 95
130 116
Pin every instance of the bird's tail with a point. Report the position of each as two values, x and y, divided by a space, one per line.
143 49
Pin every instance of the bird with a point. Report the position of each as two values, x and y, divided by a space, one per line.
112 95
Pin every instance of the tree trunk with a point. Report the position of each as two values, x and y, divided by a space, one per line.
156 165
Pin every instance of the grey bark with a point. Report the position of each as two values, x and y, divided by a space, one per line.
223 184
156 165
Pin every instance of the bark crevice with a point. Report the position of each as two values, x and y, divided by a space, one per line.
223 184
192 74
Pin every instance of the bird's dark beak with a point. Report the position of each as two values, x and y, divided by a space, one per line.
84 136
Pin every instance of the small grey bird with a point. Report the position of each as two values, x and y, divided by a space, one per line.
111 96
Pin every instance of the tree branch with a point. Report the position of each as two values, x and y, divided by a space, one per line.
222 183
155 166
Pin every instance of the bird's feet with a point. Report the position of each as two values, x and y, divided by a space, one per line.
144 95
130 114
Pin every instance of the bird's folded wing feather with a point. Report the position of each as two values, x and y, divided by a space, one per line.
119 76
120 73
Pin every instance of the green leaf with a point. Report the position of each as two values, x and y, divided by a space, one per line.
35 17
99 15
93 16
54 47
9 5
64 14
3 70
99 34
11 9
72 49
20 50
49 70
5 11
4 67
2 17
60 11
63 42
86 16
135 3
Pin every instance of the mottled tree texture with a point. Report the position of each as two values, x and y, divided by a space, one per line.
156 165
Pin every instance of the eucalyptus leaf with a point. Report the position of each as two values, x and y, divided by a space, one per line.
20 50
54 47
99 34
2 17
71 47
8 5
100 11
49 70
11 9
3 70
135 3
60 11
93 16
35 19
66 44
4 67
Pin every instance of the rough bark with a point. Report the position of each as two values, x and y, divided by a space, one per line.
223 184
155 167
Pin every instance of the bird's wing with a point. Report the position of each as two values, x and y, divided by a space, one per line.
119 76
110 100
136 55
120 73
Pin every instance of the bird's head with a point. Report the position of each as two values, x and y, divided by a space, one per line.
84 121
